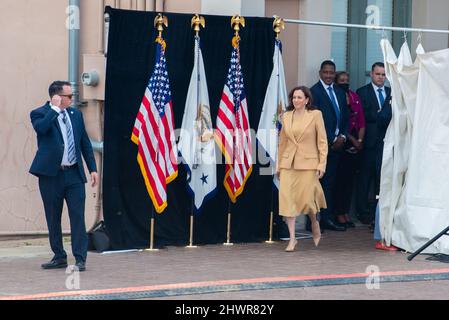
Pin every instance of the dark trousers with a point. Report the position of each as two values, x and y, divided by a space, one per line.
328 184
346 171
68 185
368 176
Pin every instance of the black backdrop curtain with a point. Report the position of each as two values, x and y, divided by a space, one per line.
130 60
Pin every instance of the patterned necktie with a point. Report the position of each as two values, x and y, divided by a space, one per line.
381 98
334 103
71 155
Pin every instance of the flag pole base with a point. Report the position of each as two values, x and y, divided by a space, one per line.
228 244
270 241
191 246
151 250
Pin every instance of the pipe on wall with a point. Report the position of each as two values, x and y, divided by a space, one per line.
74 25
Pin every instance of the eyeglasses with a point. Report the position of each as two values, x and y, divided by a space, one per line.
70 96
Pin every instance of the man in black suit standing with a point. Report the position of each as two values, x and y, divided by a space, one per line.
62 140
331 100
376 101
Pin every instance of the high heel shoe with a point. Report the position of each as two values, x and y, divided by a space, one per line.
288 249
316 233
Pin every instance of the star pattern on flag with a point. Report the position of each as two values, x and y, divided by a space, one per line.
235 79
159 85
204 178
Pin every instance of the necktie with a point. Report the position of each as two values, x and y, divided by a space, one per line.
71 155
381 98
334 104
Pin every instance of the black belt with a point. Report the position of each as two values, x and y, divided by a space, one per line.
69 167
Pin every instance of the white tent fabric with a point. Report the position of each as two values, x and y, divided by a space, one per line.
403 77
414 196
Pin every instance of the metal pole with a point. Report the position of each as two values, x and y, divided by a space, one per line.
74 25
152 232
361 26
428 243
228 233
191 227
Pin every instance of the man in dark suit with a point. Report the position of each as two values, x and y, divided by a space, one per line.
62 140
331 100
376 102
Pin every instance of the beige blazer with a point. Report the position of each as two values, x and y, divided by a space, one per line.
308 150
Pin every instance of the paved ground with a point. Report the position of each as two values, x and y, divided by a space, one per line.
344 255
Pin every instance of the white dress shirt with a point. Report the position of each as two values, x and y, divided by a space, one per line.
377 94
337 130
65 156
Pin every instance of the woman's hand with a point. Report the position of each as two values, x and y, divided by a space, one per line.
319 174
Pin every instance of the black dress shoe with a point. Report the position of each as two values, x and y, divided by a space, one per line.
349 224
55 264
81 265
364 219
329 224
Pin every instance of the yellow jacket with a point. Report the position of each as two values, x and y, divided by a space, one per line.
308 150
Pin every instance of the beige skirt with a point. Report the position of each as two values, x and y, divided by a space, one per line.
300 192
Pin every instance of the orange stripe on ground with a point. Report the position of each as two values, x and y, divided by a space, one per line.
218 283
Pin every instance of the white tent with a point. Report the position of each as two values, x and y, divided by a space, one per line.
414 195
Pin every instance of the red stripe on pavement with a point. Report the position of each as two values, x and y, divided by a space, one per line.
219 282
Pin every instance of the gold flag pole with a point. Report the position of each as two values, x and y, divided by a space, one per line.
278 24
159 22
228 232
151 248
270 236
236 21
197 22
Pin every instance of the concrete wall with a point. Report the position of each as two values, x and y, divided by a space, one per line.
34 52
287 9
314 41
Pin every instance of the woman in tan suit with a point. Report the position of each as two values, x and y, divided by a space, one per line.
301 162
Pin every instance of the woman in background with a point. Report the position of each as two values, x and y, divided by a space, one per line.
350 159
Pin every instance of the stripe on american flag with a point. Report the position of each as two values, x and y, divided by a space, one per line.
153 132
232 133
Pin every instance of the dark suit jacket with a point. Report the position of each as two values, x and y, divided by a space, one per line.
50 143
376 122
323 102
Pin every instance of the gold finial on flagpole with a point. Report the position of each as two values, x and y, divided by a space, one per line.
160 21
278 24
236 21
198 21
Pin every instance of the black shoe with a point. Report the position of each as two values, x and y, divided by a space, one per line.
329 224
364 219
81 265
349 224
55 264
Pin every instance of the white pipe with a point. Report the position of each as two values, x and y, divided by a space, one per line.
362 26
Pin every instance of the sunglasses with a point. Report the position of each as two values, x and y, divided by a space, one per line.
70 96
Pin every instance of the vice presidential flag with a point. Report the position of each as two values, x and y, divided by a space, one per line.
196 144
233 133
274 105
154 135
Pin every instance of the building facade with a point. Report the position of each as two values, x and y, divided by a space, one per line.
34 37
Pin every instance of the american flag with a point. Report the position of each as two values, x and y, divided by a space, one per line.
232 133
153 133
